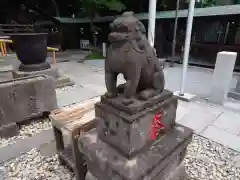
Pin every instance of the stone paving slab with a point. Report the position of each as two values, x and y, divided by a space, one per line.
75 95
228 121
213 122
223 137
198 117
182 110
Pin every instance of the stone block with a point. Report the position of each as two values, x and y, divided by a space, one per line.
173 172
130 133
137 104
27 97
52 72
178 173
222 76
238 85
61 81
185 97
159 160
235 92
234 95
9 130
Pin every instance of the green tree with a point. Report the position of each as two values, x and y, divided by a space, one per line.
93 8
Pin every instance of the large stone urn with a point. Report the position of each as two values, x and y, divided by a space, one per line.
31 50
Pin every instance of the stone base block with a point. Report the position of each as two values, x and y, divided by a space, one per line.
176 174
61 81
9 130
24 98
161 159
234 95
145 99
130 133
6 72
52 72
186 97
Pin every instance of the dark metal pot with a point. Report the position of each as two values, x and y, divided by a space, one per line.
31 50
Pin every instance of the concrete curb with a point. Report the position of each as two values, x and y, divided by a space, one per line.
24 145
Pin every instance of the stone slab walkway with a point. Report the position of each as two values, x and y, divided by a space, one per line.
213 122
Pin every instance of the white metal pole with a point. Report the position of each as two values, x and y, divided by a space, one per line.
152 21
104 49
175 33
187 45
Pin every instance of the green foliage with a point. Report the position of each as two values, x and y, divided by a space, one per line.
95 55
205 3
92 7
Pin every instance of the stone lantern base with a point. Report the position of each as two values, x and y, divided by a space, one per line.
61 81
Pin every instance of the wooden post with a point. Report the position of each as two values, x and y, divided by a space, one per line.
4 48
1 46
54 57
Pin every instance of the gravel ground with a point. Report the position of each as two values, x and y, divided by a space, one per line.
33 166
205 160
27 130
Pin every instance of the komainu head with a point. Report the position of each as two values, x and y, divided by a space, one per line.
126 27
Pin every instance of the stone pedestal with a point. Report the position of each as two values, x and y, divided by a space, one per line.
136 140
128 128
222 76
61 81
159 161
235 93
24 98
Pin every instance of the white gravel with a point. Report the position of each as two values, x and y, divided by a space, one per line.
205 160
33 166
27 130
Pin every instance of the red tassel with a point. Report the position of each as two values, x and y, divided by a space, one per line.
157 126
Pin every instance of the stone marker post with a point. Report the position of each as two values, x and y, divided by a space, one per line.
222 76
238 85
235 92
104 47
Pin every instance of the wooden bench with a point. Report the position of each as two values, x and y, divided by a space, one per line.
4 49
75 121
54 50
3 46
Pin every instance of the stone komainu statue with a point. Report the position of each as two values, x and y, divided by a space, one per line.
130 54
